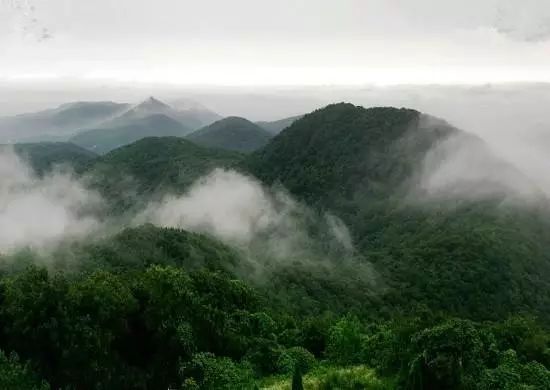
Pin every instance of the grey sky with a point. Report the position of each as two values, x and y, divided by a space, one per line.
258 42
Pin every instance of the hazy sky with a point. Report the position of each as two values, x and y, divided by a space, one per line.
285 42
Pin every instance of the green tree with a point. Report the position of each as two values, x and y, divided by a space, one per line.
16 376
344 341
211 373
447 356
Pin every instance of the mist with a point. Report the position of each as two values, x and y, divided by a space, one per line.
464 167
41 212
240 211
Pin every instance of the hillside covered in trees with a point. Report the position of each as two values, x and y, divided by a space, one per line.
232 133
360 267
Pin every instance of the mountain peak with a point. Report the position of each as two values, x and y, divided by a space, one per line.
153 103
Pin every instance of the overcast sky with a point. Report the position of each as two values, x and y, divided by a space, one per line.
282 42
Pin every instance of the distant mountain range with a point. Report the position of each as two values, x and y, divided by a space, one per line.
131 129
103 126
58 123
190 117
70 119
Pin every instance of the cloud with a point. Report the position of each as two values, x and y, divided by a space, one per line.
464 167
238 210
524 20
41 212
25 20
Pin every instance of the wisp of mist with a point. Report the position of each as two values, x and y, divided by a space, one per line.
40 212
240 211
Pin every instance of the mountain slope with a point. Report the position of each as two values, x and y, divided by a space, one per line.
193 109
57 123
191 117
481 256
138 172
45 155
232 133
103 140
275 127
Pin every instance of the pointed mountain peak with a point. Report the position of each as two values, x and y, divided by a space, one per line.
153 102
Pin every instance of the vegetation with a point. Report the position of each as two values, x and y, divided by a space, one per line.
104 140
132 175
478 258
275 127
432 296
44 156
232 133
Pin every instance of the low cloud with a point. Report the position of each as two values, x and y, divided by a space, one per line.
39 212
464 167
238 210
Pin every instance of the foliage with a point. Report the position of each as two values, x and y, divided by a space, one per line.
511 374
481 258
132 175
344 341
154 308
296 357
211 373
232 133
44 156
331 377
15 376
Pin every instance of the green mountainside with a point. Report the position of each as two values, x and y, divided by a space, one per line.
131 175
477 258
275 127
447 286
232 133
43 156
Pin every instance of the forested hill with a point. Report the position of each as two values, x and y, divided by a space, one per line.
474 257
445 287
131 175
232 133
342 149
43 156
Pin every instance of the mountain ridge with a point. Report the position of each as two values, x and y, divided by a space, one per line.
232 133
103 140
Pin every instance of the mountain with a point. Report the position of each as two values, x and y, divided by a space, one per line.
456 240
45 155
191 117
57 123
275 127
147 245
232 133
483 252
131 175
150 106
193 109
103 140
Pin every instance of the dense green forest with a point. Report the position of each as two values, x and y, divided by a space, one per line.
131 175
232 133
436 293
45 156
